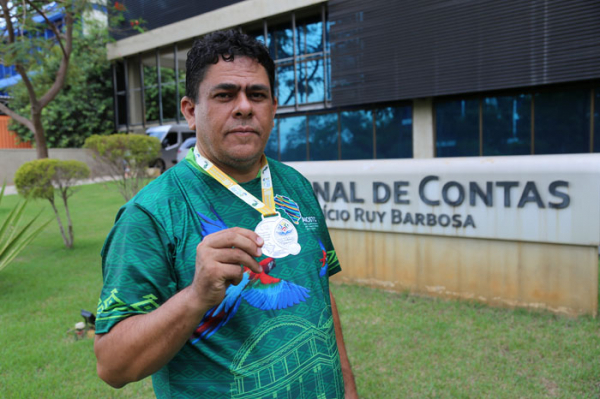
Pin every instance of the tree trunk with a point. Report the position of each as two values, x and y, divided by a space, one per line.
69 223
60 225
39 135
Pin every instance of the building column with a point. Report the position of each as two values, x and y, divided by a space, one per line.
134 82
423 130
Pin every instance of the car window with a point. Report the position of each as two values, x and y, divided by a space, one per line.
187 135
170 140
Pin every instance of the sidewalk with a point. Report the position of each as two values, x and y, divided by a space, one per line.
12 190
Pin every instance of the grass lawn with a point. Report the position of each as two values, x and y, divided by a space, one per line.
401 346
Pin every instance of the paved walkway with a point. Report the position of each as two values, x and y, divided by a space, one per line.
11 190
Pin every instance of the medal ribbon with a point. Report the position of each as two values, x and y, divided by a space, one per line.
266 207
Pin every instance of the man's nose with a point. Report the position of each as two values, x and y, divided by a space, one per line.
243 106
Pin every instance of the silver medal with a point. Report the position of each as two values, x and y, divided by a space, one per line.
285 236
266 229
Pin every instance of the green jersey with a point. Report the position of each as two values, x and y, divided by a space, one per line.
273 334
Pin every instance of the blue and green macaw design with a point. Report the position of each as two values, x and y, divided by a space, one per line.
258 289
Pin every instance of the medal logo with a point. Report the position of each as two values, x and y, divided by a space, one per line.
280 236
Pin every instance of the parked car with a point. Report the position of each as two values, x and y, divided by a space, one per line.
171 138
184 148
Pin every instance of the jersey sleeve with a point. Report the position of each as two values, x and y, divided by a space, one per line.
333 264
137 268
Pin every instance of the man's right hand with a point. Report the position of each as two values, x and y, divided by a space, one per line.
219 260
142 344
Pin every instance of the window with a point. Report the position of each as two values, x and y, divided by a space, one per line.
187 135
170 139
297 43
507 125
356 135
292 134
457 128
272 147
323 137
120 91
393 127
169 102
562 122
542 121
346 134
151 87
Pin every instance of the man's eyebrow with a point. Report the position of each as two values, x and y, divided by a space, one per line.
226 86
258 87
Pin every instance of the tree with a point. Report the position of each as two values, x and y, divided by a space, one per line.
43 177
25 46
126 157
85 104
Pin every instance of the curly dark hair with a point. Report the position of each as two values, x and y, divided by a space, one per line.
225 44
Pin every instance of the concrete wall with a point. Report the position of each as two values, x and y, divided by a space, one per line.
430 233
423 133
559 278
12 159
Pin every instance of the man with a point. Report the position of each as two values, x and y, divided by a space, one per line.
216 274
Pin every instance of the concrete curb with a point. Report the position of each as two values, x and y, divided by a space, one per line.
12 190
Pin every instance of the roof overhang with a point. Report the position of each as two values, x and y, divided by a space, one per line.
222 18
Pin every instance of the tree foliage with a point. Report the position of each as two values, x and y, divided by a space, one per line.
25 25
13 237
84 106
42 178
127 158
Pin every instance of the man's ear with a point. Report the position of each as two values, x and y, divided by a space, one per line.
274 106
188 108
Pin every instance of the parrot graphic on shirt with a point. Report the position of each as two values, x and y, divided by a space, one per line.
260 290
324 265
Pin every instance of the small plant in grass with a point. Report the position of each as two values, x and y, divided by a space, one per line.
43 177
12 238
127 157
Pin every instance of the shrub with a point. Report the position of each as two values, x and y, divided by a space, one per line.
43 177
127 158
12 239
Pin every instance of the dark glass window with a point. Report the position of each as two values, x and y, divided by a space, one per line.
393 126
562 122
310 81
170 102
272 147
283 43
187 135
356 134
170 139
457 128
285 85
309 35
507 125
151 89
323 137
597 120
292 136
328 62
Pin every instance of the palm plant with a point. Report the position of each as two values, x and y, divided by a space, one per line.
12 238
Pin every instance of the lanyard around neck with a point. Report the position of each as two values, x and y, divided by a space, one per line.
266 207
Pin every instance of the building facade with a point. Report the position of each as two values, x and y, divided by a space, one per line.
451 144
381 80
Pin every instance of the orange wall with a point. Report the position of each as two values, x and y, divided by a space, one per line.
7 138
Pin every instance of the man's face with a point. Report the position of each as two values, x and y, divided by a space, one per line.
234 114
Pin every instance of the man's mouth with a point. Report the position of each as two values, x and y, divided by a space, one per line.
242 129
